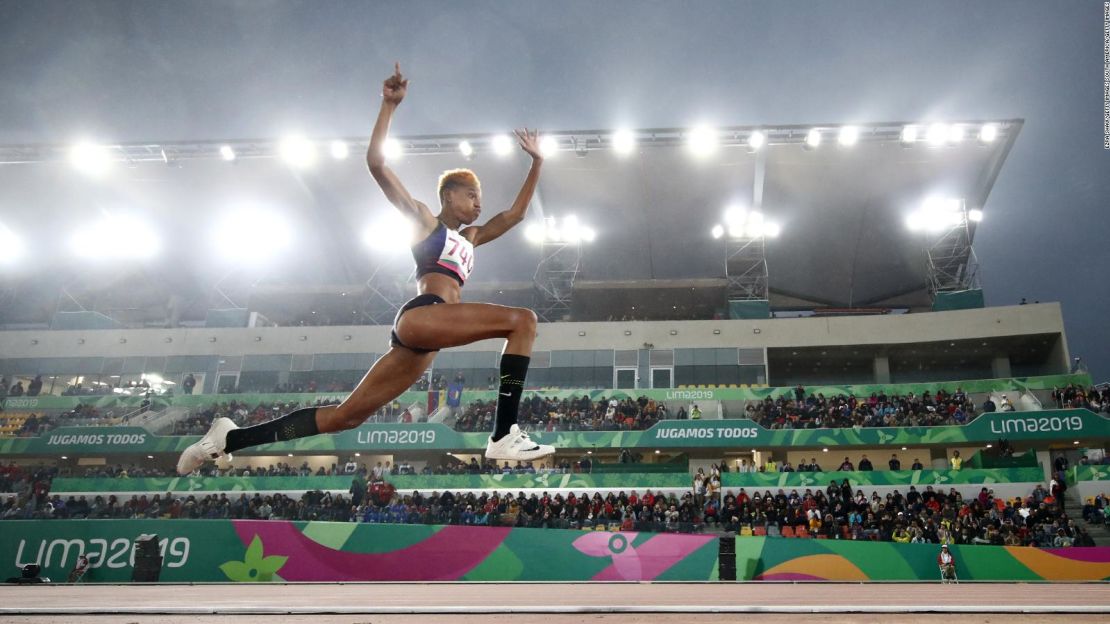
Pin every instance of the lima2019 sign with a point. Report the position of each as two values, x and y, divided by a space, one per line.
1036 424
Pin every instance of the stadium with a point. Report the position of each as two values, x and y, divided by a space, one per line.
763 354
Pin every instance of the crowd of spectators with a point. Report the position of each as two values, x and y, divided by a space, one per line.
249 413
1095 398
799 410
540 413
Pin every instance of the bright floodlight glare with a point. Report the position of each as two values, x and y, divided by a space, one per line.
298 151
392 149
988 133
756 140
502 145
702 141
11 247
955 133
771 230
391 234
975 215
624 142
570 222
848 136
115 237
717 231
937 134
734 215
227 153
339 150
588 234
466 148
90 159
813 137
534 233
736 230
909 134
549 146
252 236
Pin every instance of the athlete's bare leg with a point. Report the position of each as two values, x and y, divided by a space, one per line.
391 375
454 324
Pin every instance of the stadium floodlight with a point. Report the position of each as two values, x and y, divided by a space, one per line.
339 149
937 134
975 215
534 233
502 145
571 231
909 134
771 230
391 233
227 153
937 214
466 148
717 231
11 246
813 138
988 133
549 146
736 230
297 151
955 133
734 215
115 237
392 149
848 136
756 140
702 141
252 236
745 224
624 142
90 158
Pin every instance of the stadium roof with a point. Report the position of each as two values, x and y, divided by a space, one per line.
842 212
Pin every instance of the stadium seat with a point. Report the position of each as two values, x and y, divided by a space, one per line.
821 536
788 531
773 531
759 531
745 531
801 532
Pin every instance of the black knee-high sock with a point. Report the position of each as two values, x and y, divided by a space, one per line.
514 368
297 424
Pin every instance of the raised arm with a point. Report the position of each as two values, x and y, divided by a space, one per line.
393 91
504 221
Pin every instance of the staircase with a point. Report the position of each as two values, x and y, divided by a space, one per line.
1073 505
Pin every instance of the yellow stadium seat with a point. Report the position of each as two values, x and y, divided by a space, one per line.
745 531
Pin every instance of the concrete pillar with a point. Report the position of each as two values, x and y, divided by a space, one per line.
1000 367
882 369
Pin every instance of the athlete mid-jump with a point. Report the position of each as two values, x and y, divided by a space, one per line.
435 319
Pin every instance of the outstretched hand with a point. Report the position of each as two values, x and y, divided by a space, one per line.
395 87
529 142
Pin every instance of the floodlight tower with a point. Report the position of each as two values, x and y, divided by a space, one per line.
952 265
560 259
745 234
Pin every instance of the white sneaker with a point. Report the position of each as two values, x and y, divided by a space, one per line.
517 446
211 446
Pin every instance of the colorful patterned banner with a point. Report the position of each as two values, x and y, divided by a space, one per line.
670 434
1076 474
786 559
263 551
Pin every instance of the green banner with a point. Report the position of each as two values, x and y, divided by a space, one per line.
775 480
48 402
670 434
252 551
424 483
1076 474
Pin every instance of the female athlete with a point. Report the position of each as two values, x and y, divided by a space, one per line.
435 319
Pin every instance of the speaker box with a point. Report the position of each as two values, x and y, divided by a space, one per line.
147 569
726 545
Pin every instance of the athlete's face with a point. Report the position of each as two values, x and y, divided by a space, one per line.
465 203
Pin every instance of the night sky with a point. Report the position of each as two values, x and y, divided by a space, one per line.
132 71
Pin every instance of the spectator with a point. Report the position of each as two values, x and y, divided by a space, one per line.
17 389
865 464
189 383
35 387
917 465
846 465
956 461
894 463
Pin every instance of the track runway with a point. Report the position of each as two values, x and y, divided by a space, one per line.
556 603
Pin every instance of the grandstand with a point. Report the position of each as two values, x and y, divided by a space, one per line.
718 416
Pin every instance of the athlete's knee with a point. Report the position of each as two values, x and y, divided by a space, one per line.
524 321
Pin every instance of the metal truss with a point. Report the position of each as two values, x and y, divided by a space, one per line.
580 142
746 269
386 292
554 280
952 265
